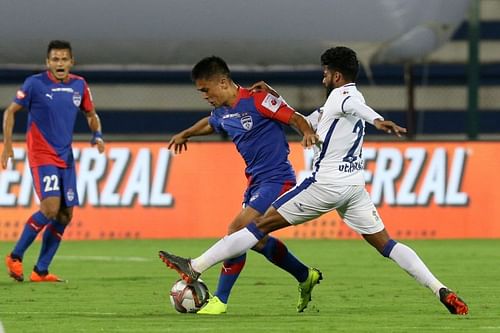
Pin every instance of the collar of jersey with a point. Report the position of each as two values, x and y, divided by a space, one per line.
53 79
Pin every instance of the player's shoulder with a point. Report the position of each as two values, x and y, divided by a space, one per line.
75 77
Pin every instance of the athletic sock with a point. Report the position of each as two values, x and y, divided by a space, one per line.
51 239
231 269
230 246
277 253
408 260
33 226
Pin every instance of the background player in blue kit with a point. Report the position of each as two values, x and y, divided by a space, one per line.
53 99
254 123
337 183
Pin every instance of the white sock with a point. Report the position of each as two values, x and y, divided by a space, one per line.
230 246
408 260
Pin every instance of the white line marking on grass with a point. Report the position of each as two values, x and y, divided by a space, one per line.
103 258
59 313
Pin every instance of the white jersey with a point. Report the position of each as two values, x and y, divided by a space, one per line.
340 125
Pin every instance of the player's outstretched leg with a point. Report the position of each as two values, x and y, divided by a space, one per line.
14 268
306 288
453 303
181 265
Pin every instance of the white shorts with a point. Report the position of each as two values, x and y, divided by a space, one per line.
309 200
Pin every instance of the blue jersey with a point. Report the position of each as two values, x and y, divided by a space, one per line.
254 123
53 106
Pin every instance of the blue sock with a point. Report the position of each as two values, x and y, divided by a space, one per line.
33 226
229 273
277 253
51 240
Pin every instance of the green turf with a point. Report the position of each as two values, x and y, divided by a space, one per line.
121 286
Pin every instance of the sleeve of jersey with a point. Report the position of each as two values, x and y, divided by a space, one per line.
23 95
354 106
87 102
214 122
273 107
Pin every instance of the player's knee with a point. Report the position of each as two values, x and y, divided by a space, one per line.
64 218
49 212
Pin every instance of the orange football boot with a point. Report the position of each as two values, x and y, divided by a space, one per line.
15 268
35 277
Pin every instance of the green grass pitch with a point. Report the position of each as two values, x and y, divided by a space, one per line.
122 286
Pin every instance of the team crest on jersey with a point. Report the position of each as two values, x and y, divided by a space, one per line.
77 99
247 122
70 194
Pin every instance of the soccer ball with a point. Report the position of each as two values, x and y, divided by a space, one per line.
188 298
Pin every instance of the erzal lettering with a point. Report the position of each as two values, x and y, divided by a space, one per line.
116 180
415 176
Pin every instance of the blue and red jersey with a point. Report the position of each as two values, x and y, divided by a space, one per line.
255 125
52 109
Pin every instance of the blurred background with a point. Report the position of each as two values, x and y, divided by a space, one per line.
431 65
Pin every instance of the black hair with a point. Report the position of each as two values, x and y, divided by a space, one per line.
209 67
343 60
59 45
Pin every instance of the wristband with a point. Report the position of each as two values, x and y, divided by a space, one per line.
96 135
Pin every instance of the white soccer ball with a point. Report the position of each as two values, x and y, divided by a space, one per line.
188 298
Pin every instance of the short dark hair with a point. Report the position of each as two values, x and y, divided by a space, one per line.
343 60
59 45
209 67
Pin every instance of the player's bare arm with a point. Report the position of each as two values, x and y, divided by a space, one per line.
389 127
8 126
179 140
95 126
300 123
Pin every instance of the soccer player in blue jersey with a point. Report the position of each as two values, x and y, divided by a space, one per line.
254 122
337 183
53 99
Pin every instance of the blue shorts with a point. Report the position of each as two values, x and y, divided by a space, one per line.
51 181
261 196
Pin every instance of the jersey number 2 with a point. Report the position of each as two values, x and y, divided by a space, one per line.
51 183
358 129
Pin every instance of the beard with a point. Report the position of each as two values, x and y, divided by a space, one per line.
328 89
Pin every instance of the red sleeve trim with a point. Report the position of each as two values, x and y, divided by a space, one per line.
272 107
87 103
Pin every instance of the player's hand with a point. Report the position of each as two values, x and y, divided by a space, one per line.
179 142
309 140
263 86
100 145
389 127
7 153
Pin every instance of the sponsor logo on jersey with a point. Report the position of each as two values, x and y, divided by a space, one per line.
68 90
247 122
271 103
77 98
20 94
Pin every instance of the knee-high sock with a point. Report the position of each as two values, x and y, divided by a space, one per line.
51 239
408 260
231 269
230 246
33 226
277 253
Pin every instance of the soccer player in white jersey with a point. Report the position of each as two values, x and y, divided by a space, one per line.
337 183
